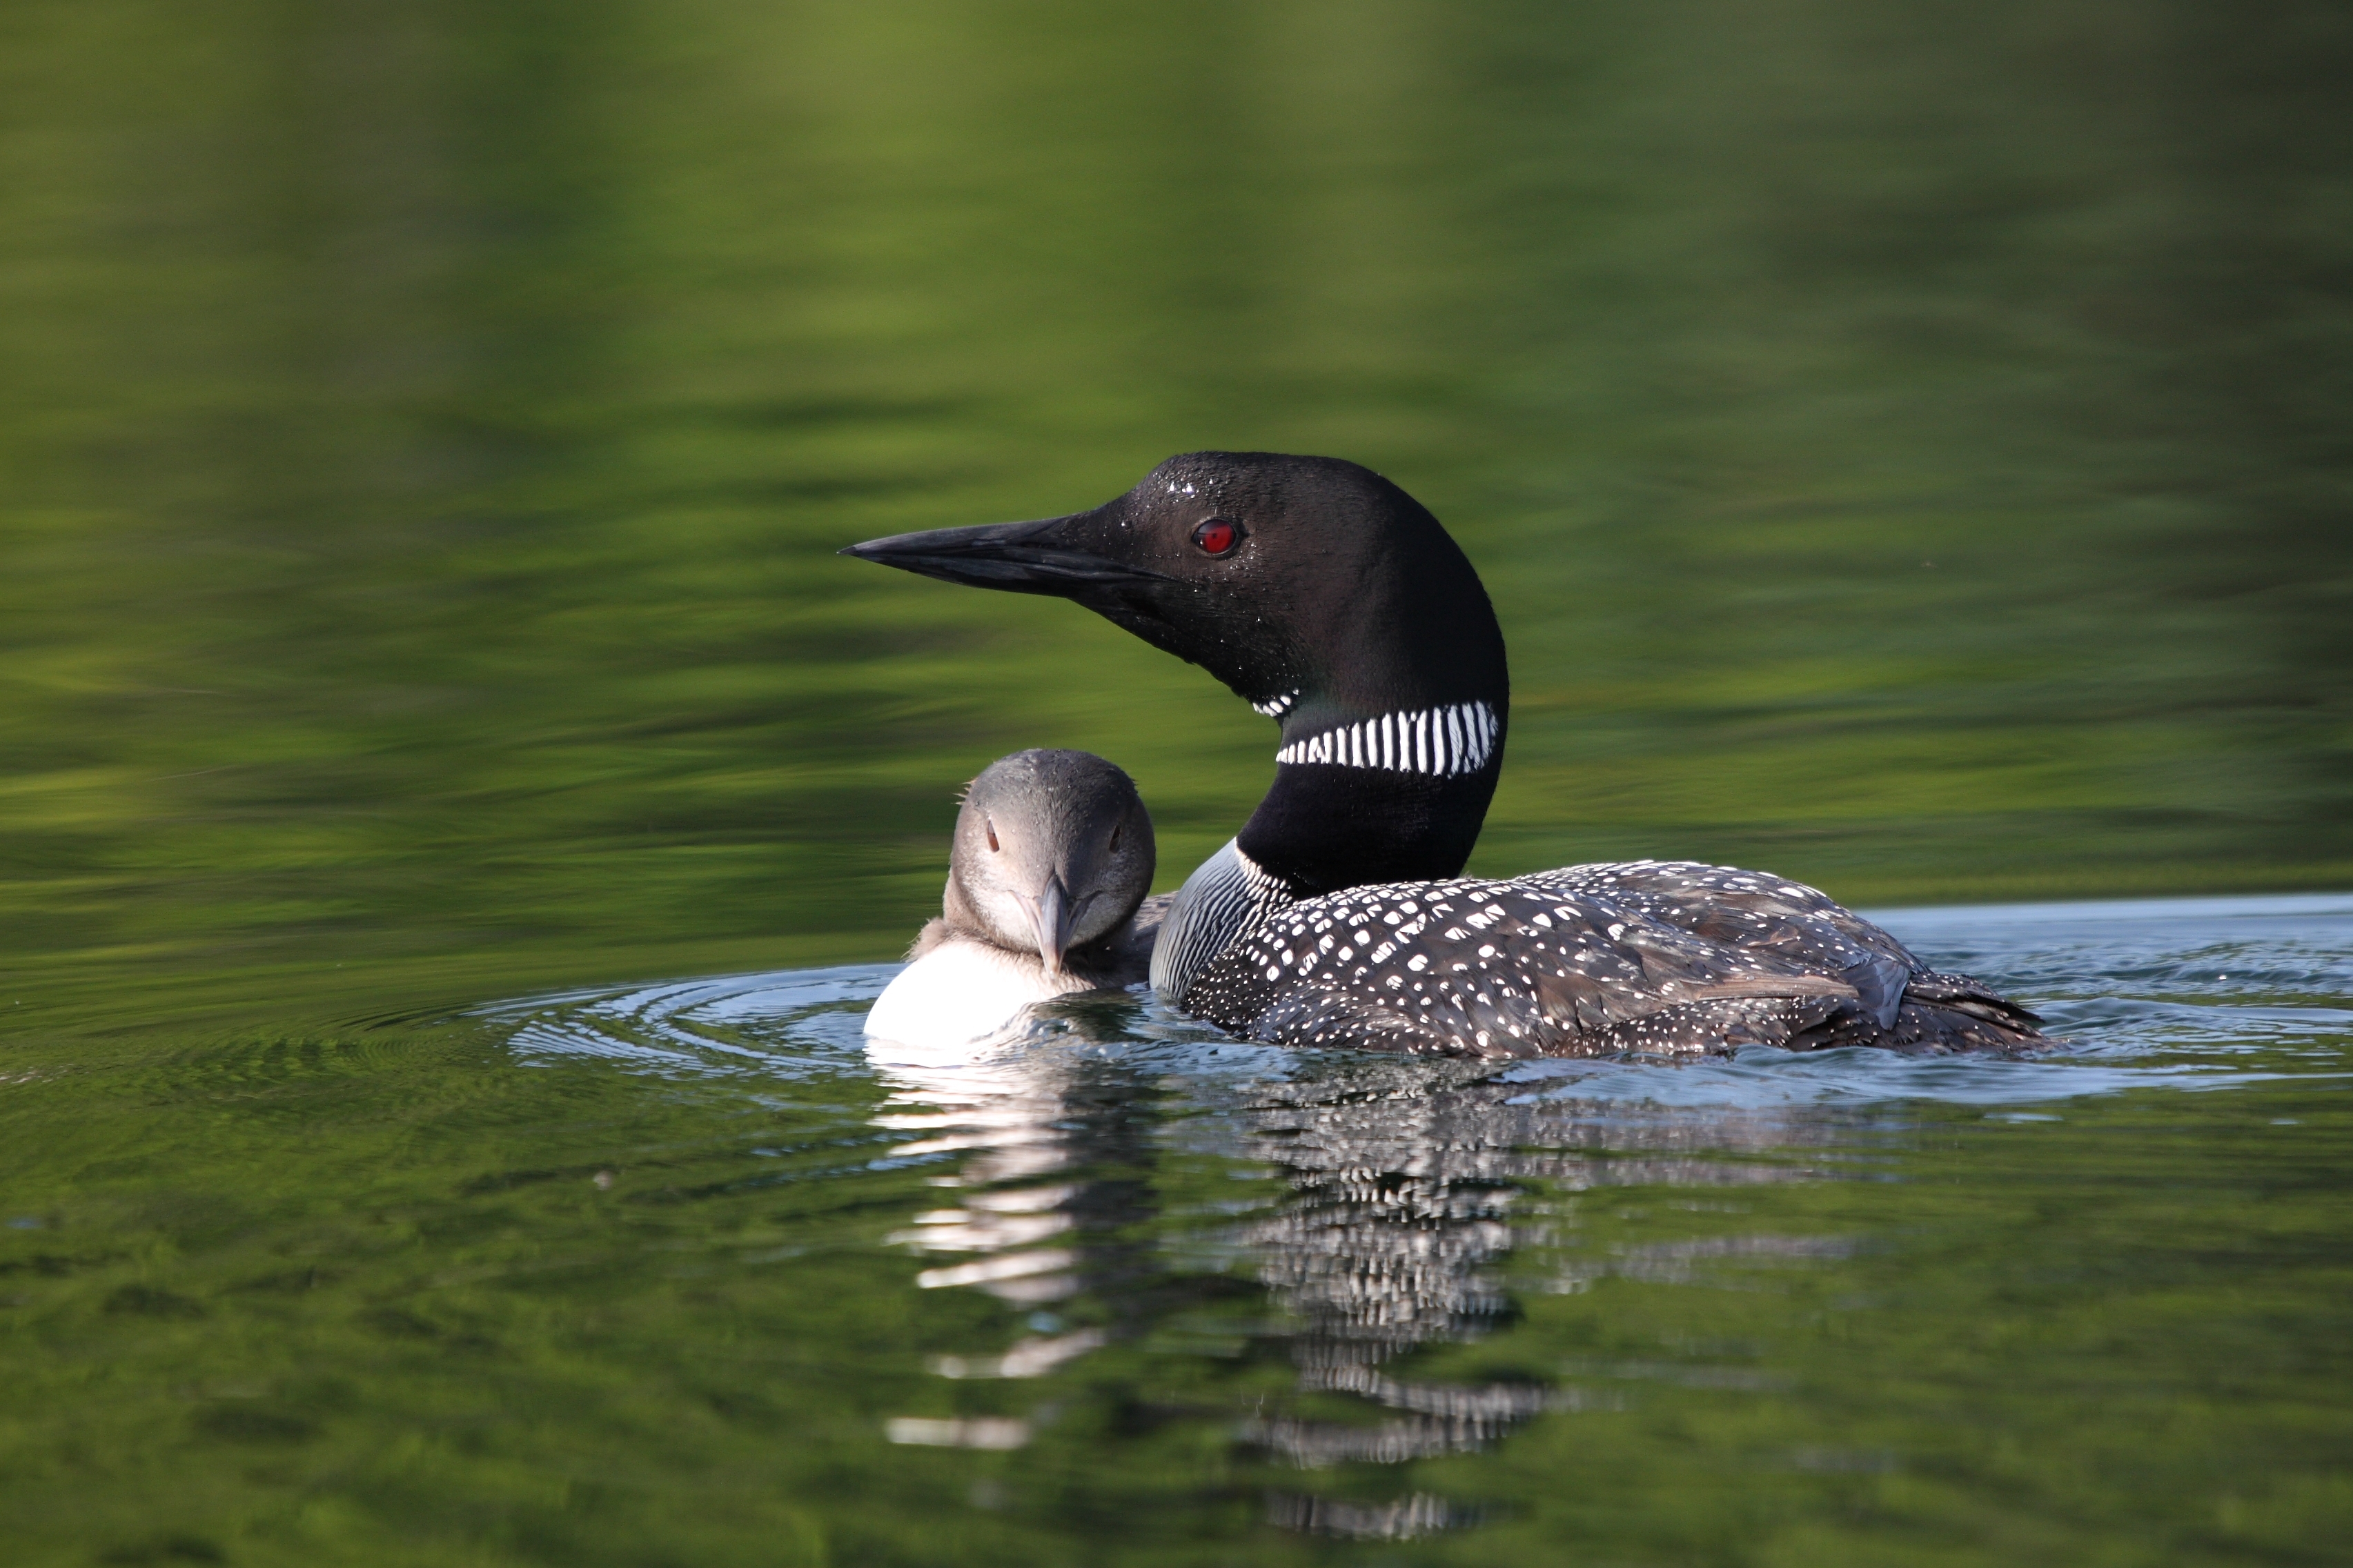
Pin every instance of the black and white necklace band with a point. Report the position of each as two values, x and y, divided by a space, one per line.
1444 740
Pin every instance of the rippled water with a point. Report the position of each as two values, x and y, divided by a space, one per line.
680 1273
2149 991
1128 1290
1905 446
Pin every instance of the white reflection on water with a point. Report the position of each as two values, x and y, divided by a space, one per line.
1005 1110
1401 1183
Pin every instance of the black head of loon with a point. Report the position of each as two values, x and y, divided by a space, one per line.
1330 600
1053 852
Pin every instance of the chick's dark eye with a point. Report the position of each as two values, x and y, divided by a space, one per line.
992 832
1217 537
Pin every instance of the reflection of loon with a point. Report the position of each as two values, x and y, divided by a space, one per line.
1030 1225
1404 1192
1053 852
1335 604
1398 1203
1405 1187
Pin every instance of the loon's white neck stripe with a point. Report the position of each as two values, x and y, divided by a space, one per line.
1276 707
1447 741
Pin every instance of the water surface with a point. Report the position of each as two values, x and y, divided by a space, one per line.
679 1273
1908 450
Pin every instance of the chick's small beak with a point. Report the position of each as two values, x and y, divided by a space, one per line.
1051 920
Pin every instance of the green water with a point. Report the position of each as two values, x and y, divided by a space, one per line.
1910 449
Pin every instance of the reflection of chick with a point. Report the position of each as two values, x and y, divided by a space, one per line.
1053 855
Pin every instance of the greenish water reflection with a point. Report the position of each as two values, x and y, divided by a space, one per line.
675 1275
1908 449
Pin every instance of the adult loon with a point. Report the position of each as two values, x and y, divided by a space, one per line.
1052 856
1335 604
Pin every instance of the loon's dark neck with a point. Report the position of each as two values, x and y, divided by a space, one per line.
1386 766
1321 828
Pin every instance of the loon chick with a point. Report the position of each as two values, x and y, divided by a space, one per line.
1053 855
1333 603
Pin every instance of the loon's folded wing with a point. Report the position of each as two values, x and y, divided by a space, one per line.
1509 969
1917 1008
1754 912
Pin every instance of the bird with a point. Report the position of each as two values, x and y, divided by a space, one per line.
1337 605
1051 863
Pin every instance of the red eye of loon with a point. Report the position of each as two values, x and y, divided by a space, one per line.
1216 537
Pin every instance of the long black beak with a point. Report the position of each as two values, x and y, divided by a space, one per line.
1024 557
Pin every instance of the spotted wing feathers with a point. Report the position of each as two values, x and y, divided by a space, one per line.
1652 956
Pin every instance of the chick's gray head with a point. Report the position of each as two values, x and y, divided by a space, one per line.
1054 851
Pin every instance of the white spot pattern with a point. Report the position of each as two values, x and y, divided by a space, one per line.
1447 741
1665 957
1276 707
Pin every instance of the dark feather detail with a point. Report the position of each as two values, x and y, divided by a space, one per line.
1656 957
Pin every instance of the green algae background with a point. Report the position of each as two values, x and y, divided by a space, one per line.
1910 447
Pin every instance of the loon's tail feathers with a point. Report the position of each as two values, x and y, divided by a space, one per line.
1969 994
1958 1013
